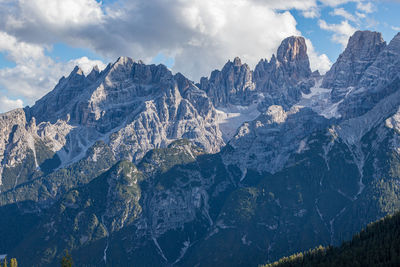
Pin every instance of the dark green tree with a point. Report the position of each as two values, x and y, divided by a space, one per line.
66 260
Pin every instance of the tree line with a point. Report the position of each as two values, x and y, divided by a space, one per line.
13 262
376 245
66 261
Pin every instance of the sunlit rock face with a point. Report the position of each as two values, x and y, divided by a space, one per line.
232 85
286 75
361 52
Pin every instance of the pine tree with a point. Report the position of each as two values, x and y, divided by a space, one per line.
66 260
13 262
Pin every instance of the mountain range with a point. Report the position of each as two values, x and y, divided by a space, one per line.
135 165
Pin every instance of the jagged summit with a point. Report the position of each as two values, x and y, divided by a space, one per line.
77 70
292 54
232 85
79 94
278 80
124 60
280 77
237 61
94 74
131 106
378 85
293 48
362 50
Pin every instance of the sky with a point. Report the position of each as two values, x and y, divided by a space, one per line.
42 40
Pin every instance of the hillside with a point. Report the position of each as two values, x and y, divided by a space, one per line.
376 245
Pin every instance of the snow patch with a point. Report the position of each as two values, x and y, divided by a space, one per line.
319 100
245 241
302 146
185 247
160 251
229 119
300 213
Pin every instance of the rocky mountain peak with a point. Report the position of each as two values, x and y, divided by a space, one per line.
280 77
135 107
362 50
368 39
292 55
94 74
237 61
395 42
64 93
77 71
293 48
377 90
232 85
123 61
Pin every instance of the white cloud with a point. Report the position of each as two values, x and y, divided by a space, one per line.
288 4
309 8
35 73
318 62
59 13
33 79
365 7
397 29
199 34
334 3
251 37
311 13
362 5
29 76
19 51
341 32
85 64
361 15
7 104
343 13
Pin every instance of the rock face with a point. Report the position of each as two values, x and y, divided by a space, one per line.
13 131
135 106
131 106
279 81
378 82
232 85
361 52
266 143
130 161
286 75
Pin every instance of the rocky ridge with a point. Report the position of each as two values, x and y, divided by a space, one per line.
140 153
232 85
131 106
362 50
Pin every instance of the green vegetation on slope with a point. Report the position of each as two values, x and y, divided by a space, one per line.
377 245
13 262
